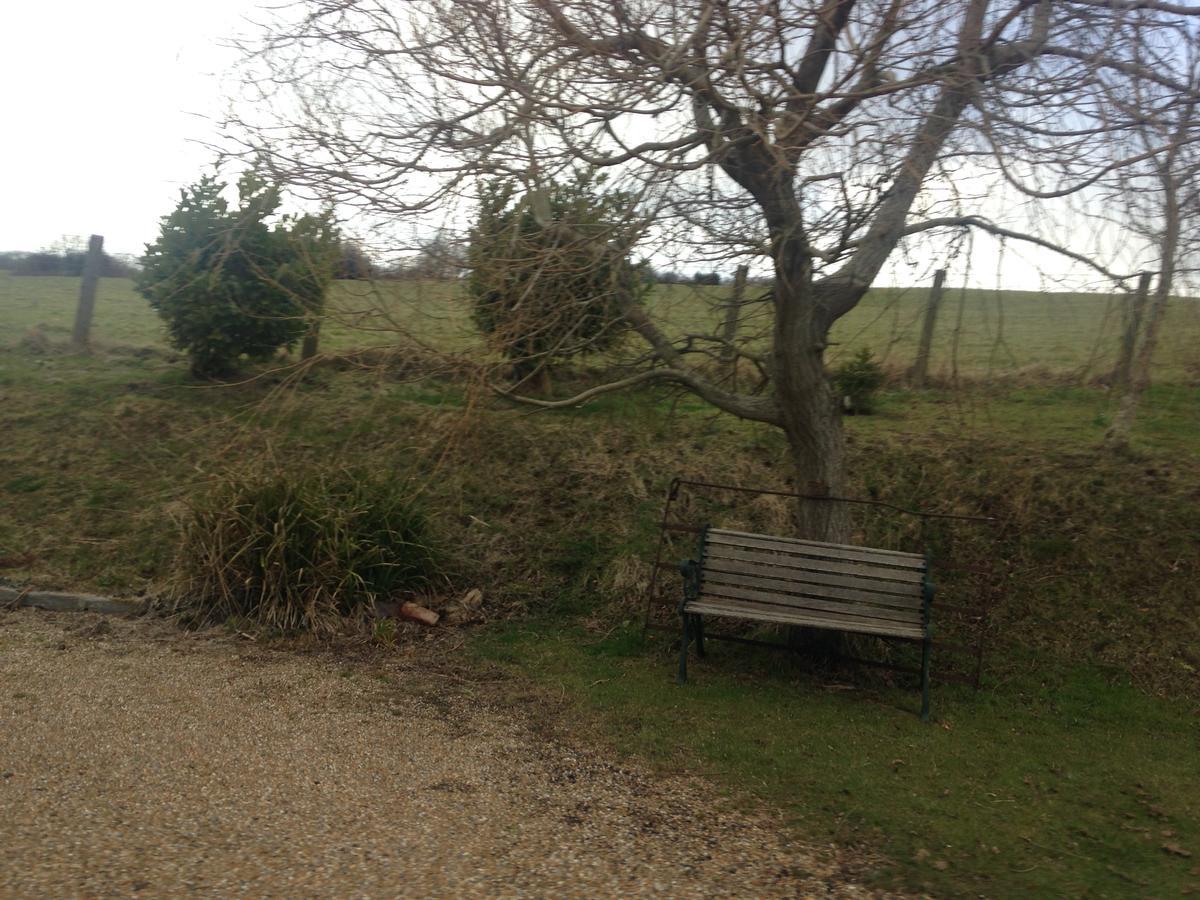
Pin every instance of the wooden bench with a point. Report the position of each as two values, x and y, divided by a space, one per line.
784 581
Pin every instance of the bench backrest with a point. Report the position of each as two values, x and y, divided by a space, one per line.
758 576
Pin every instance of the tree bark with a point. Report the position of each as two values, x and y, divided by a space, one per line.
817 445
1135 310
808 408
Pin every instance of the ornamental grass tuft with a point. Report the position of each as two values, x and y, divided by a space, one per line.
301 552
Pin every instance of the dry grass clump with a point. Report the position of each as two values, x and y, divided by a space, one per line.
300 552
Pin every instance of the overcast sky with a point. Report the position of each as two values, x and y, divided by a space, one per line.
102 105
106 108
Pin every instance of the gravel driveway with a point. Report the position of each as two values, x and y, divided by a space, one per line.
136 759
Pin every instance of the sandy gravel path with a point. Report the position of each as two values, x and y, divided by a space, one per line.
136 760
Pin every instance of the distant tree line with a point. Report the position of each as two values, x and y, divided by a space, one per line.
670 276
439 258
66 262
353 263
443 257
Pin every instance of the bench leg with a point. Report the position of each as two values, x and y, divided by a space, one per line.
925 647
683 645
698 624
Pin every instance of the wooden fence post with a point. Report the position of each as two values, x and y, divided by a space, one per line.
308 348
733 309
920 368
92 265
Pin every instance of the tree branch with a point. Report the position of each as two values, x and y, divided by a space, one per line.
833 15
850 282
999 231
1174 9
755 408
758 409
1125 68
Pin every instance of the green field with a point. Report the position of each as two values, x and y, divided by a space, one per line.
981 334
1072 773
361 314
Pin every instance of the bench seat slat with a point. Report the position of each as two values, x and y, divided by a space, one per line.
801 551
714 563
835 551
785 602
809 589
812 618
786 540
813 564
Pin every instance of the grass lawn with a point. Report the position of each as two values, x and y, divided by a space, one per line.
1057 782
1072 773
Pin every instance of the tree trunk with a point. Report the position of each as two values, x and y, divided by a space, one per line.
811 417
809 410
813 427
1117 436
1135 309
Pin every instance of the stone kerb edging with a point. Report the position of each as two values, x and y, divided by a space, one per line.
60 601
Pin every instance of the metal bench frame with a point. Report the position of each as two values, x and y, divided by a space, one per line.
813 584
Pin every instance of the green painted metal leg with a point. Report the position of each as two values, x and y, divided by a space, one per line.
925 681
698 623
683 645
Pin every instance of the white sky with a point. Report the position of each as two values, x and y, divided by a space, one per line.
101 106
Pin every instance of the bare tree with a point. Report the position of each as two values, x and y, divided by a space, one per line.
1161 199
815 136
